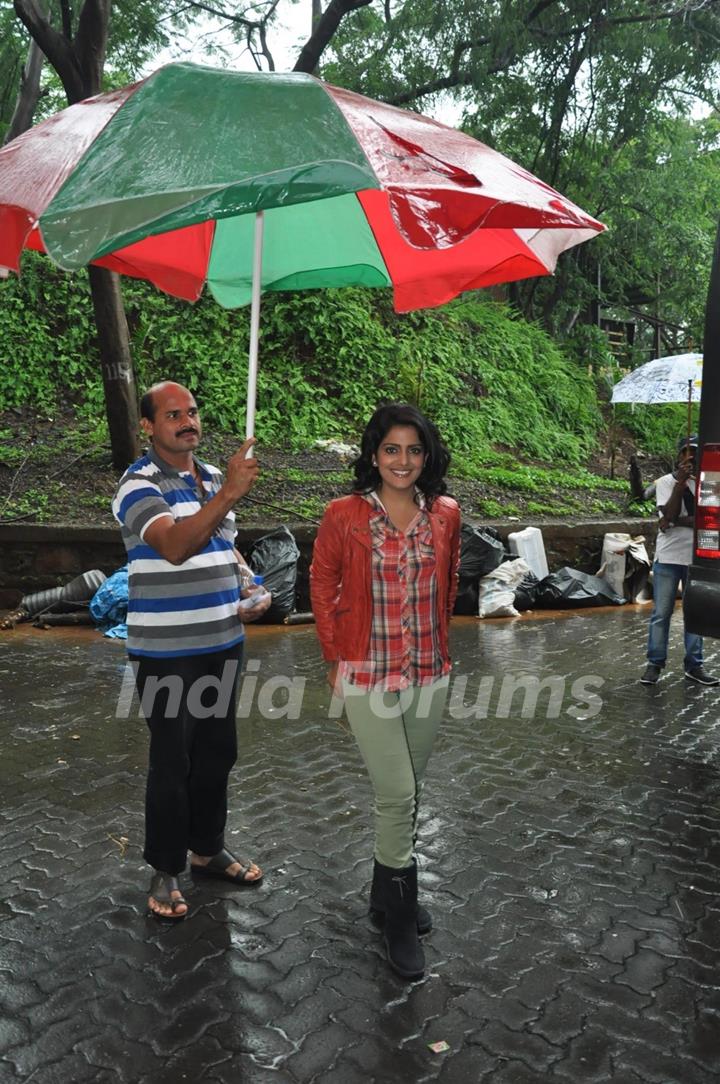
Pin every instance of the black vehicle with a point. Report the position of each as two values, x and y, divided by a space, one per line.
701 600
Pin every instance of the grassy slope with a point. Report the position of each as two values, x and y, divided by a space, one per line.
520 415
56 469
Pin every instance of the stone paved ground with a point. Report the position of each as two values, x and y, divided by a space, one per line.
571 855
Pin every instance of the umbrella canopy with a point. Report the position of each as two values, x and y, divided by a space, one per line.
674 379
162 180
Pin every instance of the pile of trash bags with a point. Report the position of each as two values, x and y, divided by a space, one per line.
96 599
495 583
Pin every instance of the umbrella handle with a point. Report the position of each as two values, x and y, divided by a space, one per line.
254 330
689 416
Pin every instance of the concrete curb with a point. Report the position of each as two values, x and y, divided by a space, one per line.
38 555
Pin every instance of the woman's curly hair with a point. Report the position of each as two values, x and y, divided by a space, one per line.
431 482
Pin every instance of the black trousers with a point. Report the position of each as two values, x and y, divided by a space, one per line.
189 706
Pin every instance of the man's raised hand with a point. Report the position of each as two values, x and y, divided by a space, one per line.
241 473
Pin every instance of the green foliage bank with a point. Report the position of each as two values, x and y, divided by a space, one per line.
488 377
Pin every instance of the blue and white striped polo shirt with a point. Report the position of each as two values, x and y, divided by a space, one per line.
187 609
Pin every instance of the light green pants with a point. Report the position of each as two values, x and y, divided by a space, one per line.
395 733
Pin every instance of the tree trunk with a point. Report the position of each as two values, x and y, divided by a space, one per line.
28 94
323 31
80 64
117 368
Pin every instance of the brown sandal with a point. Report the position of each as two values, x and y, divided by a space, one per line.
218 865
162 886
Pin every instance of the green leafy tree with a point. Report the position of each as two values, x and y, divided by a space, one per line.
663 197
596 99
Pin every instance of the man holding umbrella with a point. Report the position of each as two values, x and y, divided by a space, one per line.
675 498
185 639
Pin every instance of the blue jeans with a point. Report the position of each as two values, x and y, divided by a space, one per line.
666 579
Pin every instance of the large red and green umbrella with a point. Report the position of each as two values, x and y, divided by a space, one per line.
169 179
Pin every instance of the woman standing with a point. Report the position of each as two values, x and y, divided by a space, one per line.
383 585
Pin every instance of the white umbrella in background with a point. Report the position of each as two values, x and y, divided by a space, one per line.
674 379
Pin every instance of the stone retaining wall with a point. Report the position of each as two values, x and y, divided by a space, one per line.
38 556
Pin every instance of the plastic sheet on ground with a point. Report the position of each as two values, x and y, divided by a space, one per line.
526 593
109 605
568 587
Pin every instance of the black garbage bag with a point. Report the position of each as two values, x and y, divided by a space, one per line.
568 588
526 592
481 551
275 557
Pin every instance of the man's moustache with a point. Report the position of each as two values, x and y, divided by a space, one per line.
182 432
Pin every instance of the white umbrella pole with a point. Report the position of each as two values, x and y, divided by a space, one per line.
254 329
689 418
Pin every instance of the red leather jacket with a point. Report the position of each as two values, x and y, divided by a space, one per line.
340 575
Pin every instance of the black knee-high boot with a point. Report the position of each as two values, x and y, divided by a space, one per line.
398 891
376 909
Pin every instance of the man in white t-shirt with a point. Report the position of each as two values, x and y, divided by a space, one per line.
675 499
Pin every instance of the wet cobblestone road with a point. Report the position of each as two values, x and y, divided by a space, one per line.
570 852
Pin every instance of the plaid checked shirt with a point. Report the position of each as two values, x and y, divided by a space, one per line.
403 638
